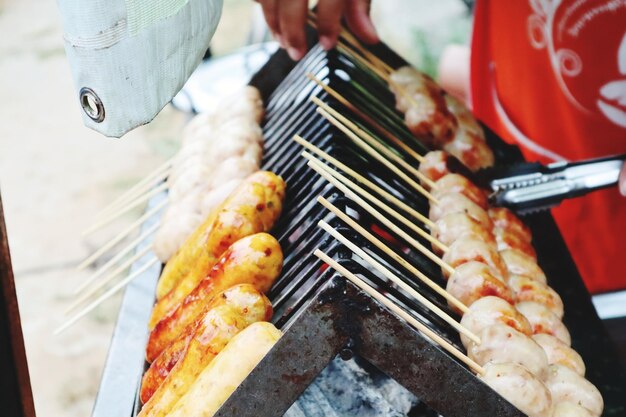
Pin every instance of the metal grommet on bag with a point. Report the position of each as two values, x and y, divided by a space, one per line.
91 104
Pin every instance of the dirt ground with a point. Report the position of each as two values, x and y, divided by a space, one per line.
56 174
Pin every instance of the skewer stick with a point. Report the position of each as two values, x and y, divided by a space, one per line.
103 282
386 249
398 281
376 214
393 213
105 296
400 312
388 196
373 142
91 258
142 186
376 155
365 117
108 219
132 245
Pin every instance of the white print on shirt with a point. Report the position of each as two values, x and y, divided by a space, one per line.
611 100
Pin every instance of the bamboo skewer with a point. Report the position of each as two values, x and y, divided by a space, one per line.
398 281
373 142
371 151
400 312
376 214
120 236
393 213
142 186
108 219
112 275
105 296
132 245
387 250
359 178
365 117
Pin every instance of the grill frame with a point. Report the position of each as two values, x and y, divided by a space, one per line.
586 328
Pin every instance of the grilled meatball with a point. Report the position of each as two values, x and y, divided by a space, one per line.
464 116
471 149
518 263
434 165
518 386
543 320
528 289
510 239
452 227
500 343
456 183
506 219
473 280
559 353
490 310
469 248
452 203
566 385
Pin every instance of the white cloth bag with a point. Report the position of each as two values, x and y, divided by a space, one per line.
130 57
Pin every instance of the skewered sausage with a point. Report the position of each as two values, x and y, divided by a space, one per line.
567 386
253 207
473 280
224 374
434 165
543 320
211 335
510 239
490 310
527 289
559 353
470 148
500 343
256 259
521 388
245 298
506 219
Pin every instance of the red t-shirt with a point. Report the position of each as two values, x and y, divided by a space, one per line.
550 76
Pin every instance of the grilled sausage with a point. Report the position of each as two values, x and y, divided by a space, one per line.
434 165
451 227
559 353
527 289
543 320
470 148
521 388
211 335
224 374
507 220
500 343
458 203
510 239
245 298
255 260
253 207
490 310
567 386
473 280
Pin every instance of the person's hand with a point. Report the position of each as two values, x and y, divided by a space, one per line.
287 19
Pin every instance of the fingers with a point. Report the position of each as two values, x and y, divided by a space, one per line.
359 22
454 70
329 14
622 181
292 19
270 12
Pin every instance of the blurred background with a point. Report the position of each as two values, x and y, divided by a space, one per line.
55 174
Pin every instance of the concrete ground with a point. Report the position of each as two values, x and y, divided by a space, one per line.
56 174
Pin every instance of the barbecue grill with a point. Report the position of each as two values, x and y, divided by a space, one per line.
324 316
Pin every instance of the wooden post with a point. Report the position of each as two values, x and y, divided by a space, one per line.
16 397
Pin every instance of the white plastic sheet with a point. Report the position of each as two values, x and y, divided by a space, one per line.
133 56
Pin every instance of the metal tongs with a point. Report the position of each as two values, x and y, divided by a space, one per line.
532 187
